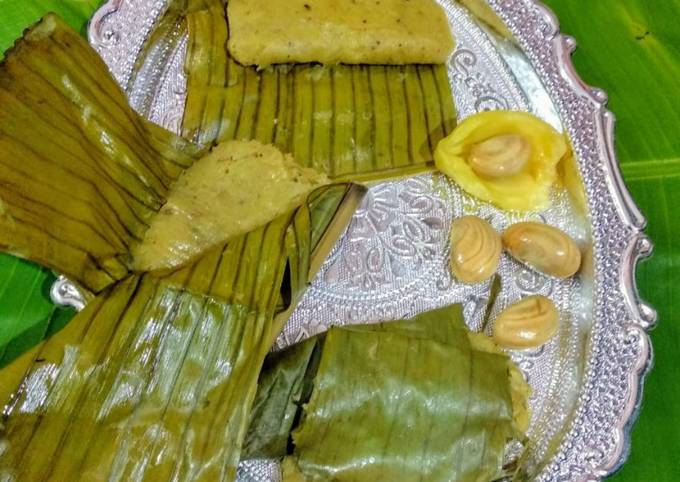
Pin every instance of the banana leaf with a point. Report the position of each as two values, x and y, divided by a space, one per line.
81 174
84 178
351 121
609 56
155 377
282 388
26 313
157 51
287 376
19 14
137 370
390 401
388 405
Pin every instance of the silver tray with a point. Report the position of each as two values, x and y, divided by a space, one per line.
392 261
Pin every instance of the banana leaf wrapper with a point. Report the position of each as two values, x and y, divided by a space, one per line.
404 400
154 379
284 385
81 173
388 405
353 122
287 378
456 425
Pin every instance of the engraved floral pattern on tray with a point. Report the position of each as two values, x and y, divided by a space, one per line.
379 249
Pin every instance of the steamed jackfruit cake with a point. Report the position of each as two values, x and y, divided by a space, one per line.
265 32
239 186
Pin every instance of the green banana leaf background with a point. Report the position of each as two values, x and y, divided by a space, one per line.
630 48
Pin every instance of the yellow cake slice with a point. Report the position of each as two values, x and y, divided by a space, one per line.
265 32
237 187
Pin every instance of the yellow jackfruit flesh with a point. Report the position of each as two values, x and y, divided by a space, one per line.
525 189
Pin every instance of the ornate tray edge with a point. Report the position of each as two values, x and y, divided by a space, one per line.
94 30
637 247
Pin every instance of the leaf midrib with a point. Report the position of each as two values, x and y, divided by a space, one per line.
651 169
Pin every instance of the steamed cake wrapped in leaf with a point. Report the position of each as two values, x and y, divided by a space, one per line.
81 174
398 403
94 191
506 158
416 399
353 122
237 187
154 379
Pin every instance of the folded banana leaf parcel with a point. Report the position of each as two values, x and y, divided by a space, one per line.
154 379
410 400
354 122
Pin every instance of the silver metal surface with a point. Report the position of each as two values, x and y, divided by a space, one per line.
64 293
392 262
